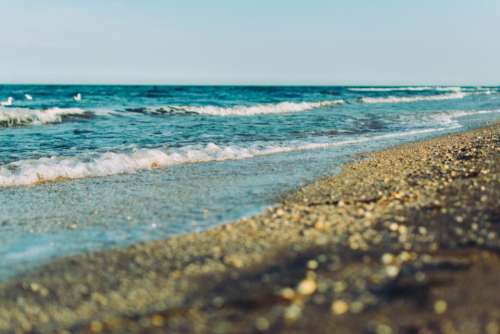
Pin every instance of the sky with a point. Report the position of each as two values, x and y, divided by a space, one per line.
317 42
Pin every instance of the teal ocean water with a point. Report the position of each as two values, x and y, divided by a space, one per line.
92 167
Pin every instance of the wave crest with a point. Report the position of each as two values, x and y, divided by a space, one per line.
410 99
259 109
404 89
450 118
28 172
15 117
32 172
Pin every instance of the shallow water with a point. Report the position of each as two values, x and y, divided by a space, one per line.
133 163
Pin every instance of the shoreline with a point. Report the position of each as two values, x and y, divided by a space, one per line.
408 230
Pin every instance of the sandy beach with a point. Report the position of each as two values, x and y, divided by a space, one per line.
405 240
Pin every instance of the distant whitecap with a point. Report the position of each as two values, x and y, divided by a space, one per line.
28 97
403 89
410 99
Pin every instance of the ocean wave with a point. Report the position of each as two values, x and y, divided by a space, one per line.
38 171
404 89
450 118
241 110
410 99
15 117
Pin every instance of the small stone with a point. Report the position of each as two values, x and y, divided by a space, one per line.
340 286
96 327
339 307
312 264
402 229
157 320
262 324
319 225
287 293
387 258
392 271
440 306
492 328
383 329
292 312
322 287
357 307
394 227
322 258
420 277
234 260
405 256
306 287
218 301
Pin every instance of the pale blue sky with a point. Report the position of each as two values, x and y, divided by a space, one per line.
251 41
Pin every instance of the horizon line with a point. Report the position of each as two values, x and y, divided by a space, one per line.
250 84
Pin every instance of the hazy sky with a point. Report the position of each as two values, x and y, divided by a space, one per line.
250 41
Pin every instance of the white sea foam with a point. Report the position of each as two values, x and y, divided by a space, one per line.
410 99
11 117
259 109
403 89
450 118
29 172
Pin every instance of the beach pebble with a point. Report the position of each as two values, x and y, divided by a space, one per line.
339 307
306 287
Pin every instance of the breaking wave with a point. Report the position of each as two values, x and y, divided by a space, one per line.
37 171
410 99
15 117
450 118
259 109
404 89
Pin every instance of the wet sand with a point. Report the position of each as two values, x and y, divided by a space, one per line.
403 241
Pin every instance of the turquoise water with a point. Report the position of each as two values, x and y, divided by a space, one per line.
124 164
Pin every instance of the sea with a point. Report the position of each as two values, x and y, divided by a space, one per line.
86 168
